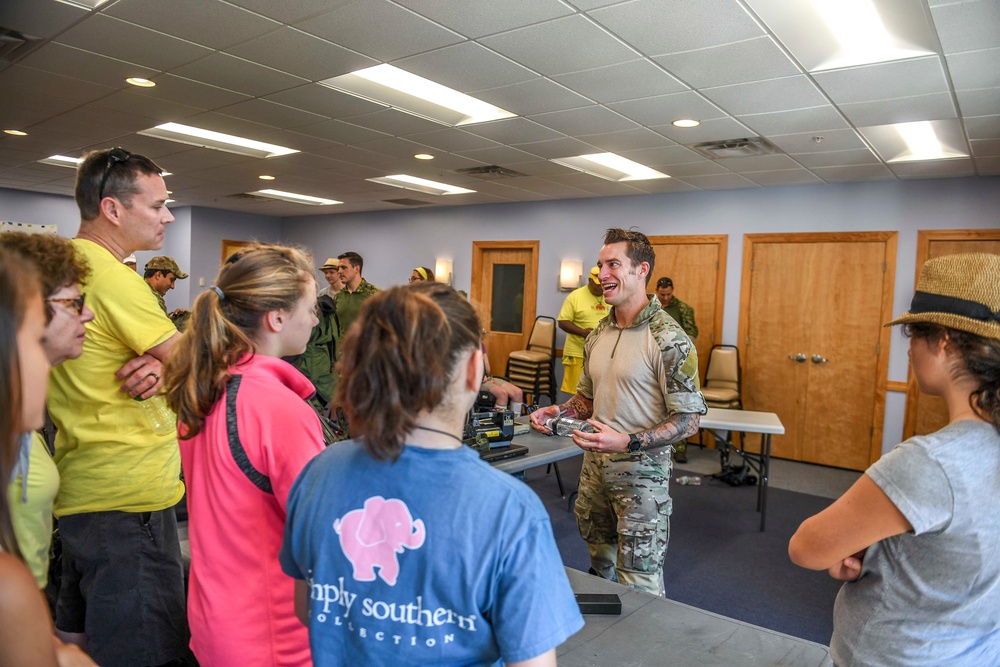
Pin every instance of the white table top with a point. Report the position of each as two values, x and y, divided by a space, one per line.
745 421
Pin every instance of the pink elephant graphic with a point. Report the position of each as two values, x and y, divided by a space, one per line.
373 536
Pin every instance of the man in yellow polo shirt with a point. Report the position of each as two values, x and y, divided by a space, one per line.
581 311
116 448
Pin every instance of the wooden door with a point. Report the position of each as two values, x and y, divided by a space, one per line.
504 288
926 414
812 342
697 267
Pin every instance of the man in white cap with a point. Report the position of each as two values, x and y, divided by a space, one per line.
581 311
131 263
332 275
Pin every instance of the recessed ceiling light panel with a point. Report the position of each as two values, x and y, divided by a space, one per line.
913 142
396 88
196 136
611 167
420 185
295 198
62 161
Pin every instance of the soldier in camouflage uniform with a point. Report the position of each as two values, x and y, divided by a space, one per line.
640 390
356 289
683 314
160 274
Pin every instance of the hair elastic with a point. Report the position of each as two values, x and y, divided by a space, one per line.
218 290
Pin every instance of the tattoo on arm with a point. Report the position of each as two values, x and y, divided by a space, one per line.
579 407
674 429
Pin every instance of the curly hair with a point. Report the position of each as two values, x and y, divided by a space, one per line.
55 258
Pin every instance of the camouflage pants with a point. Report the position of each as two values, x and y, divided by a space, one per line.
623 513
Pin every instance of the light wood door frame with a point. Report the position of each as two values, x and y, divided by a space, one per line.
882 364
229 247
924 239
477 287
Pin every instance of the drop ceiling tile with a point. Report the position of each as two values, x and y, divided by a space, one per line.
665 109
556 148
989 166
791 92
934 168
207 22
836 158
664 185
709 130
976 69
868 172
467 66
585 120
84 65
443 162
554 47
986 148
743 165
380 29
542 168
968 26
514 131
340 132
394 122
702 168
41 141
142 105
271 113
546 187
477 18
353 155
656 27
394 147
500 155
983 127
663 156
750 60
830 140
979 102
86 129
587 5
191 93
882 81
301 54
720 182
452 140
319 99
198 159
41 18
233 73
119 39
530 97
62 87
598 186
816 119
627 140
624 81
288 12
784 177
885 112
220 122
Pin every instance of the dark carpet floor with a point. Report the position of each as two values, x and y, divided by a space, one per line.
717 558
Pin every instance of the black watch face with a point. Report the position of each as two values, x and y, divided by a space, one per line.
633 444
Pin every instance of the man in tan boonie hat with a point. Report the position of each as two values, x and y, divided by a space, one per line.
332 275
160 274
958 291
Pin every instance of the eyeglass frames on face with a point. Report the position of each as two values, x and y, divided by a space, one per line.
75 304
115 155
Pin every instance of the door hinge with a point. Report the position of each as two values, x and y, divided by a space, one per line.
871 432
751 266
878 349
713 338
883 266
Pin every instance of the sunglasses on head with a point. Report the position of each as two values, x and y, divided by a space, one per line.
115 156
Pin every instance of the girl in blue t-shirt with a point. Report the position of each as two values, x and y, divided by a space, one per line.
407 548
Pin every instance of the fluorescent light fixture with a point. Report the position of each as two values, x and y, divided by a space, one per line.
443 270
570 274
424 156
62 161
396 88
169 201
419 185
16 133
295 198
196 136
139 81
832 34
610 166
84 4
918 141
686 122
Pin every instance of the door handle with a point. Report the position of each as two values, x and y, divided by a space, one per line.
818 359
798 357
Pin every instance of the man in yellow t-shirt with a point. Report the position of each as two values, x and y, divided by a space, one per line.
116 447
581 311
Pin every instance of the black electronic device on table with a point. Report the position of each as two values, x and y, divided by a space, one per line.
490 432
599 603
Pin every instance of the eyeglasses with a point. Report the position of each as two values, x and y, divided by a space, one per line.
416 280
75 304
115 156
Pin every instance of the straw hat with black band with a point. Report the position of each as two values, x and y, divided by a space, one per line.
958 291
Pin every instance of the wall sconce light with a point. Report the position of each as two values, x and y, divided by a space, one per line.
570 273
443 270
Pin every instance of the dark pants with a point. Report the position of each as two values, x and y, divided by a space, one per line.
123 586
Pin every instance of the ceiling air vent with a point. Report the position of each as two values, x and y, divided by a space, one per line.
14 44
489 172
408 202
746 147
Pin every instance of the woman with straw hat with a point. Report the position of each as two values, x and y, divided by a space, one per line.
917 538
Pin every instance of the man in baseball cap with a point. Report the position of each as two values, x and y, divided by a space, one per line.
161 273
130 262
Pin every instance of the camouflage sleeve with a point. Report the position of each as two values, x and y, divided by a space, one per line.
679 382
687 321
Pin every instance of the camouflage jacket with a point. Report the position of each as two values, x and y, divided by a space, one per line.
348 304
159 299
684 314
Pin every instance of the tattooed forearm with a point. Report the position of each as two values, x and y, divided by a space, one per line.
674 429
579 407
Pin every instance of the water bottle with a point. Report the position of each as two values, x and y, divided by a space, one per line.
566 425
158 416
689 480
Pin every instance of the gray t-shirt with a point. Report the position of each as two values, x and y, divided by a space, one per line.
931 597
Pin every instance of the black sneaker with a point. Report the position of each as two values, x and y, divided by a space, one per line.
680 457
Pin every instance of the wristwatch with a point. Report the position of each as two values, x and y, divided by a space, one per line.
634 445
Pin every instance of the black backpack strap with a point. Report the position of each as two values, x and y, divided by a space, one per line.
259 479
